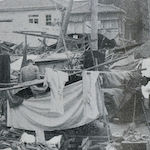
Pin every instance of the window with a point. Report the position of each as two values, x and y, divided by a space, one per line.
6 20
75 36
109 24
34 19
48 20
30 20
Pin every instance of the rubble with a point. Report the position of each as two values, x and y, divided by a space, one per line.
94 135
135 136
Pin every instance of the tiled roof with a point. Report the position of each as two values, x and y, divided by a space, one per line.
13 5
78 6
84 7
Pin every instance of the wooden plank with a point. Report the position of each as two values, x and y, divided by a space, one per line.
22 85
44 35
8 84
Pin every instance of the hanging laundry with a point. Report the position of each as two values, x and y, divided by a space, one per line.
36 112
89 91
56 81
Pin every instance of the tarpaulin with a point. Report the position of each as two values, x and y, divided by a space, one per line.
129 63
115 94
115 78
35 113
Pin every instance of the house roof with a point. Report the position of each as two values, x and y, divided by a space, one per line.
84 7
19 5
78 6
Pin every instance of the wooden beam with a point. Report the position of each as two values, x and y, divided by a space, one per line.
44 35
94 24
23 85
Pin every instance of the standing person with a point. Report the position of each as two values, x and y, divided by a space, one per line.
4 78
4 67
29 72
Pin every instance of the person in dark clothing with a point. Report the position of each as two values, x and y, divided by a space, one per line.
4 68
4 77
90 56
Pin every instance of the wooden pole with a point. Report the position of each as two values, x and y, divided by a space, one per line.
94 24
65 23
24 53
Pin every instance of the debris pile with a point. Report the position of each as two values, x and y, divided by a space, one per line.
19 140
135 136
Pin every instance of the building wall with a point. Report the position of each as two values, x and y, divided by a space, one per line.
137 19
20 22
109 24
144 18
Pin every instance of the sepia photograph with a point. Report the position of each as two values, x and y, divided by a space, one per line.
74 74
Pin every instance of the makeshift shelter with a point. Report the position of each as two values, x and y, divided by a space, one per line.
79 110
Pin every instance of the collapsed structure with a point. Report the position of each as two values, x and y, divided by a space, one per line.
85 89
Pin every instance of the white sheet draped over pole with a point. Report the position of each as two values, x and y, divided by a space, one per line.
34 113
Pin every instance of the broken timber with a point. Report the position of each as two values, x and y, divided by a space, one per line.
31 33
23 85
